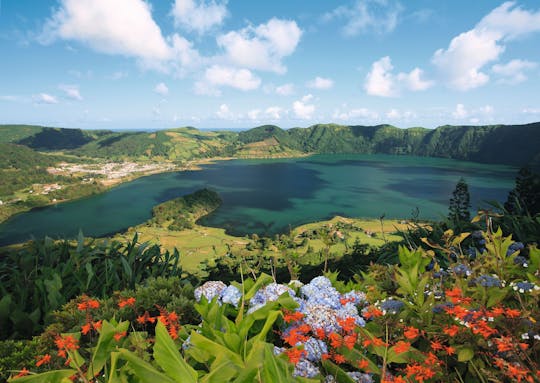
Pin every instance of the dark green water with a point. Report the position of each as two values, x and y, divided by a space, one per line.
268 196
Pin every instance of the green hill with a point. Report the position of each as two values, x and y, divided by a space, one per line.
505 144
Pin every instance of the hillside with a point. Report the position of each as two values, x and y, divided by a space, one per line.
516 145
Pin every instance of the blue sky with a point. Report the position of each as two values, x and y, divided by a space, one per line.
134 64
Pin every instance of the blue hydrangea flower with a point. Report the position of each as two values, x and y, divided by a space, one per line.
524 287
521 261
210 290
269 293
516 246
360 377
231 295
488 281
391 306
314 349
461 270
306 369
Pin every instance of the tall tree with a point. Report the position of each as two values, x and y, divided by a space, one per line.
525 197
460 203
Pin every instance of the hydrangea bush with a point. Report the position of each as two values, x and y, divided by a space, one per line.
464 317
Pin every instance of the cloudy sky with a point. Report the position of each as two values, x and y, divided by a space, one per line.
135 64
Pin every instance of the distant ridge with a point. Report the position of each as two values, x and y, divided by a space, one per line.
516 145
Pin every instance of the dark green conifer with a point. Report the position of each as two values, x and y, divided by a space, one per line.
458 211
525 197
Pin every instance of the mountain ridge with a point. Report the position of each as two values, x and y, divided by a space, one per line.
516 145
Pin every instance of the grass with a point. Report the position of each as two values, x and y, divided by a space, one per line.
202 244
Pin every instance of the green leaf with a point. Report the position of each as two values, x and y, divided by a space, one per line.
105 344
274 368
465 354
496 295
46 377
169 359
143 370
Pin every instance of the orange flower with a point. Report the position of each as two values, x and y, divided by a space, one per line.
512 313
93 304
145 318
22 373
411 332
45 359
294 336
85 329
497 311
372 312
290 317
97 325
402 347
350 340
119 335
436 345
173 332
294 355
83 306
320 333
126 302
451 330
378 342
504 343
347 324
172 317
335 340
523 346
450 350
338 358
363 364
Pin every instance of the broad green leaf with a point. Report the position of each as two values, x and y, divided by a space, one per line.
224 372
105 344
143 370
169 359
275 369
46 377
215 350
465 354
337 372
496 295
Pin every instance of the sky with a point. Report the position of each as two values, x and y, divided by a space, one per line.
218 64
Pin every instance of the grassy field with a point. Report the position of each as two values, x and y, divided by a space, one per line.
202 245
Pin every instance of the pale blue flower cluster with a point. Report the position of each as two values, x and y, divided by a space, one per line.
305 369
269 293
224 293
322 305
391 306
488 281
356 376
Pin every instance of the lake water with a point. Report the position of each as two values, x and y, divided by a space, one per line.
269 196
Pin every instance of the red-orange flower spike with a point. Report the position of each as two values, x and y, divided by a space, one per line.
378 342
335 340
126 302
321 334
45 359
290 317
97 325
145 318
295 355
22 373
402 347
119 335
451 330
85 329
93 304
450 350
372 312
512 313
172 317
436 345
363 364
411 332
350 340
348 324
339 359
504 343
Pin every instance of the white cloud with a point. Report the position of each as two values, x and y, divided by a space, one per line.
71 91
285 89
413 81
462 63
44 98
512 72
531 110
320 83
115 27
274 112
460 112
224 113
203 88
199 16
486 110
262 47
242 79
396 114
380 81
161 89
379 16
302 109
359 113
393 114
254 114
